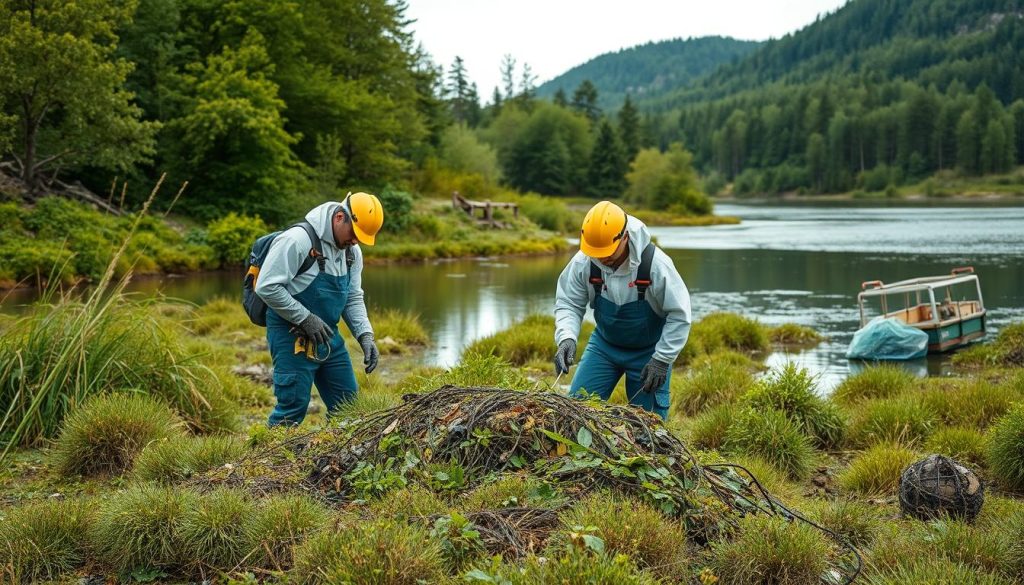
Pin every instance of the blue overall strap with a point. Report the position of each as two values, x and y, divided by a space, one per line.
643 273
597 281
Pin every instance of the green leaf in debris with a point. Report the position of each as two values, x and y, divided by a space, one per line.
584 437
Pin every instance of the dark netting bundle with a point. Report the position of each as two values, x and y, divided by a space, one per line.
454 439
939 486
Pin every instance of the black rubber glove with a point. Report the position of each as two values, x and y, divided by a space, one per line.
565 355
653 375
315 330
370 353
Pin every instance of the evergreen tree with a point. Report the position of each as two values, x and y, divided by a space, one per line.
527 86
606 177
629 128
559 99
1016 113
816 161
508 75
457 91
584 101
968 149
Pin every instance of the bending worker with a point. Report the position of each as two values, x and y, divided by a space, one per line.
304 309
640 303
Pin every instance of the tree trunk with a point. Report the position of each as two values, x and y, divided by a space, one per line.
28 171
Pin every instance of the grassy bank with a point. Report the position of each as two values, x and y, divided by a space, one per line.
129 507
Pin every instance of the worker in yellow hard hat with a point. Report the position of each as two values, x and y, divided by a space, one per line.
309 280
641 307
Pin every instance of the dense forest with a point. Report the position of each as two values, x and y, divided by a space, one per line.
651 69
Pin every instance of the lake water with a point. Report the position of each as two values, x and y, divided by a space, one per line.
783 263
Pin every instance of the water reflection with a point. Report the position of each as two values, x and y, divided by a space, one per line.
802 265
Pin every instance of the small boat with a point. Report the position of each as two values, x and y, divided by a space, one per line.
948 308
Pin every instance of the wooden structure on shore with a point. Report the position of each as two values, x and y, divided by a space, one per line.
488 207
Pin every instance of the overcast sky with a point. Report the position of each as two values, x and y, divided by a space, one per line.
555 35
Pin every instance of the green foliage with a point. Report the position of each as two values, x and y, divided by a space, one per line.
212 532
793 334
1006 350
474 370
791 390
104 435
525 341
63 92
278 525
666 180
710 427
877 470
719 331
966 445
1006 448
397 206
379 552
709 386
510 491
462 151
882 381
137 529
42 541
982 550
178 458
771 435
232 236
409 502
905 420
852 520
969 402
548 213
460 539
606 176
578 567
631 528
57 356
403 327
772 550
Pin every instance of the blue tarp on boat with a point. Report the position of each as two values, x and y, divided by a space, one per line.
888 339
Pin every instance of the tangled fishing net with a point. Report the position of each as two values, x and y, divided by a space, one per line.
938 486
453 438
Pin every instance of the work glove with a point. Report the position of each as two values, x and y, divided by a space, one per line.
370 353
315 330
653 375
565 355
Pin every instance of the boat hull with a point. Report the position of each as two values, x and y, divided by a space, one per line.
950 336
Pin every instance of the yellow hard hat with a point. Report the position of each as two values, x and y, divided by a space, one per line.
603 228
367 216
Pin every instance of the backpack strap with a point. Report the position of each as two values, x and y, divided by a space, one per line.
643 273
316 253
597 281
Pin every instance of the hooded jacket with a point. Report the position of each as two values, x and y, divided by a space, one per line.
667 294
277 282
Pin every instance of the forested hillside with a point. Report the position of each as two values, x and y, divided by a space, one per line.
651 69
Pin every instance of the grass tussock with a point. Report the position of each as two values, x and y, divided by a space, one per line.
381 552
792 390
42 541
365 403
985 551
241 390
725 358
934 570
1007 350
576 567
510 491
403 328
705 387
791 334
772 551
877 470
178 458
634 529
710 427
905 420
1006 449
278 525
56 357
855 521
408 502
474 370
725 331
772 436
969 402
528 340
107 433
965 445
212 534
137 529
881 381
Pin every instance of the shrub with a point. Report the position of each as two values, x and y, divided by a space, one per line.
106 434
212 532
709 386
178 458
548 213
380 552
791 390
634 529
137 529
877 470
1006 448
883 381
901 420
771 550
397 209
710 427
42 541
771 435
963 444
277 526
232 236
